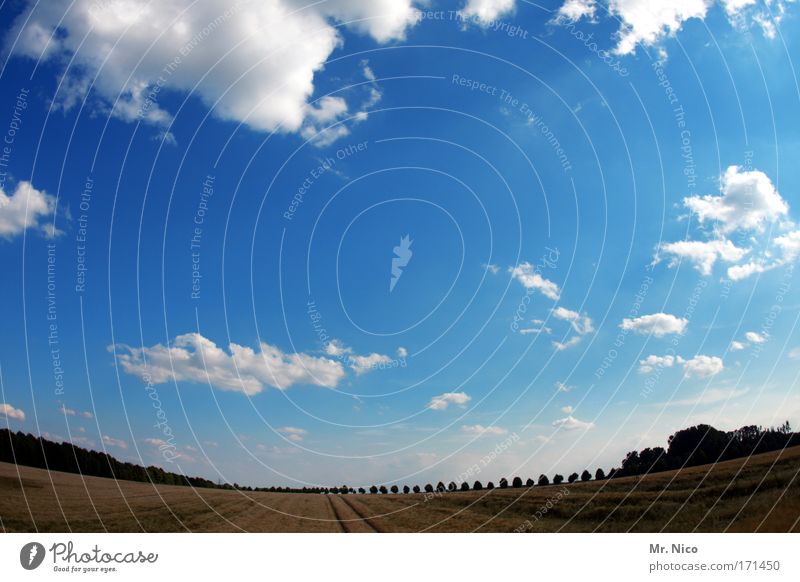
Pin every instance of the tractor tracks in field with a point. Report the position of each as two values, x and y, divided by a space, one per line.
350 518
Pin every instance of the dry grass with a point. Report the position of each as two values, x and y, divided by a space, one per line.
757 494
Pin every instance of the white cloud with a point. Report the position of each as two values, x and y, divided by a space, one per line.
582 324
572 423
25 208
9 412
570 343
650 363
478 429
737 346
112 442
363 364
567 409
253 62
755 337
648 22
532 279
794 353
197 359
536 330
657 324
562 387
402 352
703 254
699 366
739 272
292 433
485 11
702 366
493 269
747 200
336 348
790 245
442 401
577 9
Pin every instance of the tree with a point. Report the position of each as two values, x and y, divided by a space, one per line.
382 489
440 487
361 490
503 483
490 485
543 480
406 489
416 489
477 486
465 486
428 488
586 475
395 489
599 475
530 482
373 490
452 486
572 478
558 479
517 482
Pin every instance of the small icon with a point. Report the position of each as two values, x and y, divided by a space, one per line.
402 257
31 555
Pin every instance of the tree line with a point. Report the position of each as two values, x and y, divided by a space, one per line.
697 445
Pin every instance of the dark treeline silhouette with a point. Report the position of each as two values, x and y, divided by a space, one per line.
698 445
704 444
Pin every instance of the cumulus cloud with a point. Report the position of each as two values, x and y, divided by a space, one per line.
746 201
112 442
703 254
567 409
582 324
530 278
292 433
402 352
360 364
737 346
656 324
572 423
264 55
697 367
442 401
493 269
72 412
9 412
485 11
570 343
755 337
648 22
194 358
26 208
478 429
577 9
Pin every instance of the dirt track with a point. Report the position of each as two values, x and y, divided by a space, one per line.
759 494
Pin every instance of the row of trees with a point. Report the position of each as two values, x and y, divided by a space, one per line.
693 446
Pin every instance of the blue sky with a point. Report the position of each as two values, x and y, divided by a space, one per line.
396 241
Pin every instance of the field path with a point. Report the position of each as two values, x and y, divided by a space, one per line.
349 518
